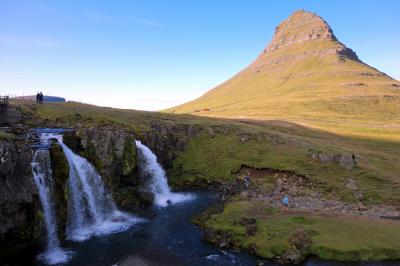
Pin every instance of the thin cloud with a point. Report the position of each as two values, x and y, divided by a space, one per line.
145 22
45 8
35 42
49 10
100 18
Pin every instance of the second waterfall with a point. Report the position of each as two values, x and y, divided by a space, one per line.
157 182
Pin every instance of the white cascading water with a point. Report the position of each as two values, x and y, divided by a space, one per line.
92 210
158 183
42 176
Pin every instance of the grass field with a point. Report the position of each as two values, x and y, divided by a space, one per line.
332 237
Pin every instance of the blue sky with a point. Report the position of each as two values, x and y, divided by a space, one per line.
155 54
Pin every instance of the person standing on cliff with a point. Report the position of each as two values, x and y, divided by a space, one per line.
41 98
38 97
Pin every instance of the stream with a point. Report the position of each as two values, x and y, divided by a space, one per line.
167 237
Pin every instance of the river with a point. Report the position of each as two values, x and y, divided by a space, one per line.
167 237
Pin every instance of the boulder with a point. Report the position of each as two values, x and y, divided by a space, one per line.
244 138
351 184
211 132
298 250
347 162
358 194
146 198
250 224
344 160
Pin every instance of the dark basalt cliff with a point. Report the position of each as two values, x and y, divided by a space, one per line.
20 215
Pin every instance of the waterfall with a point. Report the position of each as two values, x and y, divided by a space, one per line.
92 210
42 176
158 183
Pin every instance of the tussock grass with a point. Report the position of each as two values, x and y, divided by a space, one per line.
220 157
334 238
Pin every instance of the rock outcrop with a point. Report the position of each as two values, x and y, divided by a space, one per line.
20 215
113 152
60 171
9 116
165 139
304 26
346 161
298 248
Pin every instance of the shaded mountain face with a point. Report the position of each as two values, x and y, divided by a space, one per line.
304 74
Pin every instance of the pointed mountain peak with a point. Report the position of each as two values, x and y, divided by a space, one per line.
303 26
304 71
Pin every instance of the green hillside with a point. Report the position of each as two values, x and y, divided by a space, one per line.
306 75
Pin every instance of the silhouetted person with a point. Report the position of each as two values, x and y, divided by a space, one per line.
38 97
247 180
41 98
354 159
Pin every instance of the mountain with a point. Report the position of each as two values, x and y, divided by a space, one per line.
306 75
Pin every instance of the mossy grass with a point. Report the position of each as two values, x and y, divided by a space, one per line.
341 238
221 157
7 136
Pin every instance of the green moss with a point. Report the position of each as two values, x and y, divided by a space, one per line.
126 197
40 215
90 153
7 136
129 157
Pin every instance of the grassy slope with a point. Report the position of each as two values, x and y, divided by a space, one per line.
217 157
343 96
369 110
